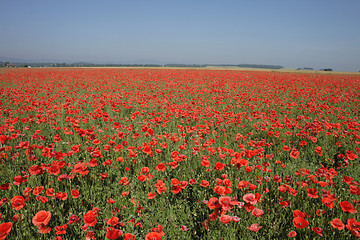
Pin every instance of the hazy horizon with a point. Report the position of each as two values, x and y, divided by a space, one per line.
317 34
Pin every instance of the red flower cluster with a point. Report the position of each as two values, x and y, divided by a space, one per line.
133 142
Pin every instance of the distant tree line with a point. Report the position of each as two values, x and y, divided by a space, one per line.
260 66
305 68
79 64
226 65
185 65
101 65
86 64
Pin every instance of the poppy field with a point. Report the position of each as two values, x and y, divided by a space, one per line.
178 154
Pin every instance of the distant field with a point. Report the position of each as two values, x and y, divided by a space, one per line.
278 70
233 68
240 69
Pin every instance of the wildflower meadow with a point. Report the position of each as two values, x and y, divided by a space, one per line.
140 153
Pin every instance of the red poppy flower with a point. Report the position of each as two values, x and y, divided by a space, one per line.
159 229
319 150
153 236
41 218
61 196
219 166
286 148
44 229
184 228
151 195
250 198
329 202
141 178
213 203
90 218
252 187
112 233
285 203
204 183
90 235
36 170
205 163
347 207
113 221
38 190
129 236
73 219
235 219
257 212
225 202
298 213
192 181
75 193
107 162
16 217
176 189
254 227
320 212
294 153
220 190
76 148
161 167
292 234
5 186
347 179
144 170
353 225
243 184
175 181
225 219
93 162
18 202
300 222
317 230
277 179
350 155
80 168
61 229
249 207
147 150
124 181
312 193
49 192
5 229
337 223
3 138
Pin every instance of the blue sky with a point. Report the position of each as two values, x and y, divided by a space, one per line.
293 34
